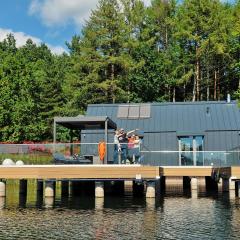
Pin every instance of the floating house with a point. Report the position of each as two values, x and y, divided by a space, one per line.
180 133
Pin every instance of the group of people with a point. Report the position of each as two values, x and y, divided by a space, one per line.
126 146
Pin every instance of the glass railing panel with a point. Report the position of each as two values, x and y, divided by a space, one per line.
88 153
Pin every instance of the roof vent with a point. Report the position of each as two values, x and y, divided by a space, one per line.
208 111
228 98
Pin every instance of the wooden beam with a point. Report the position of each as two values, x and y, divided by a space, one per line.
79 172
191 171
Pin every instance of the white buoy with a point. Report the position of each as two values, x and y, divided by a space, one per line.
8 162
19 163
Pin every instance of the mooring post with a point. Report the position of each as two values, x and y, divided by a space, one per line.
49 193
39 193
194 183
39 187
151 189
49 188
232 183
99 189
22 192
2 189
64 188
23 187
220 185
238 188
99 203
158 186
226 184
138 188
201 184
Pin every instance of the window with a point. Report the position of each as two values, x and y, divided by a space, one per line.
191 148
134 111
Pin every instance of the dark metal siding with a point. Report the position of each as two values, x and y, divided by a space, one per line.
219 122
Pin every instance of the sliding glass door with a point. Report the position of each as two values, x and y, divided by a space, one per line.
190 151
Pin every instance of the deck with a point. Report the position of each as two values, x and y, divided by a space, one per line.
91 172
105 172
190 171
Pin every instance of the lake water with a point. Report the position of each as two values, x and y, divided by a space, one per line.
173 216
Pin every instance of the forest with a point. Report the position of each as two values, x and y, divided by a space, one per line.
126 52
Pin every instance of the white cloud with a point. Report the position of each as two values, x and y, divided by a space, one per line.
22 37
61 12
56 49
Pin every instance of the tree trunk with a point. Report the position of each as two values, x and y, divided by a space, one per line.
169 93
113 84
184 92
194 90
215 85
208 93
197 80
218 85
166 37
174 94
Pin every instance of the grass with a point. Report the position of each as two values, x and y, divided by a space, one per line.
28 158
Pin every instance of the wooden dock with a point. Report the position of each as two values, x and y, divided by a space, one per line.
88 172
96 172
188 171
153 177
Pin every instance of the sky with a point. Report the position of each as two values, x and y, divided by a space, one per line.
50 21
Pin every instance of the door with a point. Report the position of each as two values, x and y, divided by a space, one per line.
190 151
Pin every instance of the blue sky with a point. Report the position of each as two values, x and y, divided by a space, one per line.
50 21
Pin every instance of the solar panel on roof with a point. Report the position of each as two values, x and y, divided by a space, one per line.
133 111
145 111
122 111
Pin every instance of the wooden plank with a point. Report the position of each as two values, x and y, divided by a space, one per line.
235 172
78 172
190 171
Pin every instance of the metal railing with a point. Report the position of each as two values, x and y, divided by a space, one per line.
88 153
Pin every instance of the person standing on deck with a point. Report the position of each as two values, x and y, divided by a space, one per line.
116 147
123 141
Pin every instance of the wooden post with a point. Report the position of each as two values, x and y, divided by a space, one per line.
64 188
225 184
23 186
138 188
39 192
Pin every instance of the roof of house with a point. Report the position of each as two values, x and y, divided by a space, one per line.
182 117
85 122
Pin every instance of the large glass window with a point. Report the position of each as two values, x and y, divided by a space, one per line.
190 150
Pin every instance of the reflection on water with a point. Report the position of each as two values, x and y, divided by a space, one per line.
204 215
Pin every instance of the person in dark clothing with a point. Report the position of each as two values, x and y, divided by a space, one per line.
123 142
